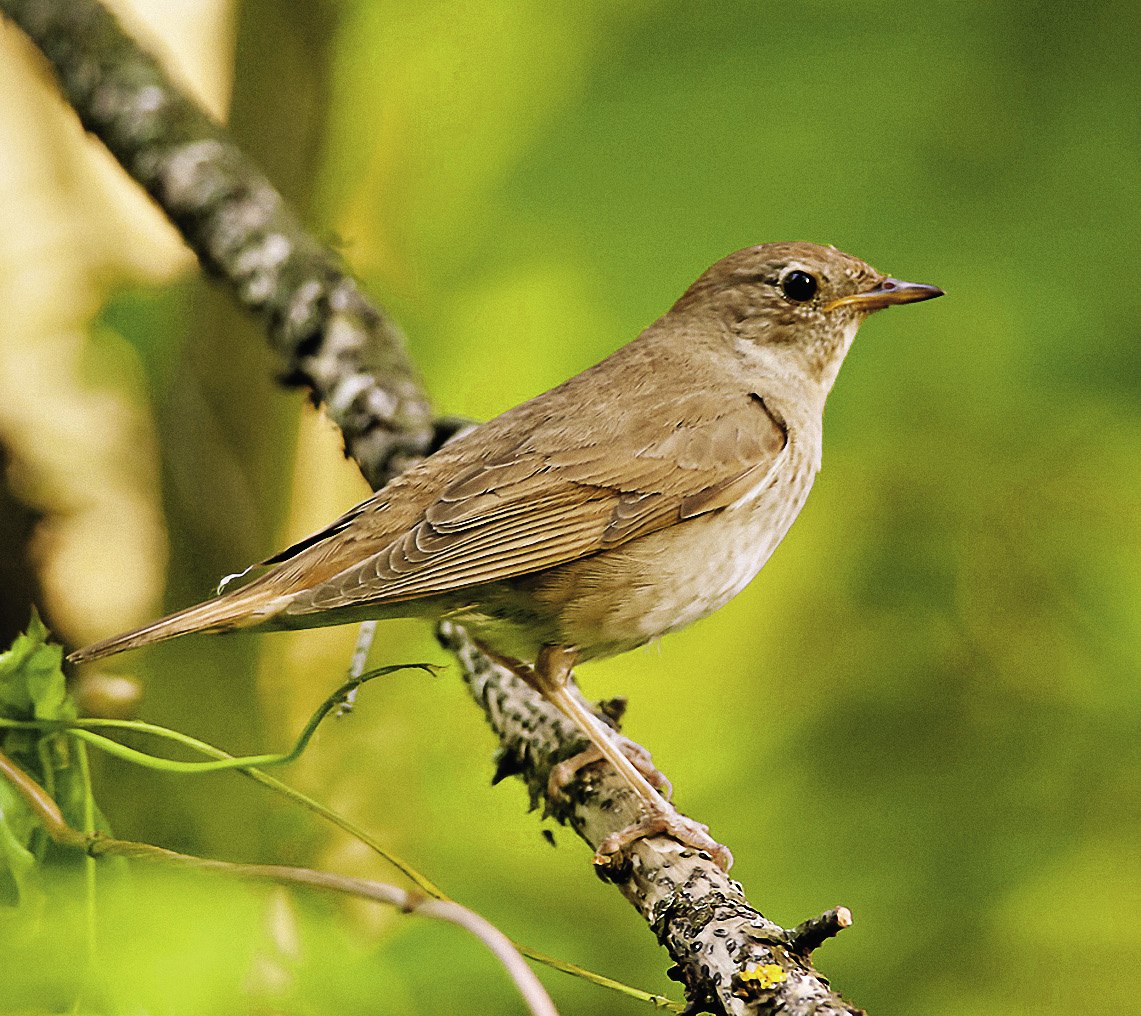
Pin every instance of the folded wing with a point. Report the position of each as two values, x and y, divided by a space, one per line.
545 503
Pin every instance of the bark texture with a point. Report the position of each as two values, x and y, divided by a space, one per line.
351 357
331 338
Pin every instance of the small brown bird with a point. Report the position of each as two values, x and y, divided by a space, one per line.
628 502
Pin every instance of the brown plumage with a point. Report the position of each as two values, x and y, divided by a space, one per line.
630 500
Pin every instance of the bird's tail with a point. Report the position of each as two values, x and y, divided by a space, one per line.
238 609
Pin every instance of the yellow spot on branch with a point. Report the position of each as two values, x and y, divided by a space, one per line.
765 976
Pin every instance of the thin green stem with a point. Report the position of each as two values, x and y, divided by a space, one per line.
89 874
95 845
86 731
83 729
660 1001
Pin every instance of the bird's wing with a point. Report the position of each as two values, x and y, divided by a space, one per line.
549 502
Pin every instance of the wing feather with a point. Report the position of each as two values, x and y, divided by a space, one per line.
548 501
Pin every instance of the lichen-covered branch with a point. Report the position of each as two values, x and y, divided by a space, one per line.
351 356
730 958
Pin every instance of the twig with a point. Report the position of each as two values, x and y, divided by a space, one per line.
408 901
811 934
351 356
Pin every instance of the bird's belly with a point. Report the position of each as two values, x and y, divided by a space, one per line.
664 582
623 598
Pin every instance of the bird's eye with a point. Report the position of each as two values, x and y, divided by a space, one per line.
798 286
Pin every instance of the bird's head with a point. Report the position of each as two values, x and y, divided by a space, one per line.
800 303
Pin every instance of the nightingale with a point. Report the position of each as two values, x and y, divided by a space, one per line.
626 503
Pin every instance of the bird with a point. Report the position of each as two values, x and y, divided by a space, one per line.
629 501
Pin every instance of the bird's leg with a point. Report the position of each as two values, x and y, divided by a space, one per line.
356 665
550 677
564 772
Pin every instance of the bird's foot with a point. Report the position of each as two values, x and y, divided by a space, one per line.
566 771
669 822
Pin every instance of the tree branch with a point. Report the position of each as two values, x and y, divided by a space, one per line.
351 356
729 956
330 336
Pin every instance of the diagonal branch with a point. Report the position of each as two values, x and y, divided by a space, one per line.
330 336
350 355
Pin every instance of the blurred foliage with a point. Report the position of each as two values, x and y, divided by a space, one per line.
32 688
927 708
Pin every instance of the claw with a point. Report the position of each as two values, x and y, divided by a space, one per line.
550 676
566 771
670 823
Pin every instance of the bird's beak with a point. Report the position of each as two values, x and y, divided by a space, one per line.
886 293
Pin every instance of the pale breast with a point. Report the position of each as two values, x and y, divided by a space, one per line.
623 598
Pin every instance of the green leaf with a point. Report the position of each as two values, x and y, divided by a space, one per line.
17 862
32 685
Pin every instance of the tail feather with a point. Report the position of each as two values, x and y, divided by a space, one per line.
224 613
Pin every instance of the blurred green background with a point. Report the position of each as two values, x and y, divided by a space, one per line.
927 707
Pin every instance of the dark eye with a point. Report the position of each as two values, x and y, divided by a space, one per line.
798 286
